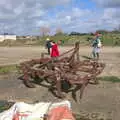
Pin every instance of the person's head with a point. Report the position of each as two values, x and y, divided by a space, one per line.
52 42
60 42
98 34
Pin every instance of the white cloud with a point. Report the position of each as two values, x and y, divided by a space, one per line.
111 13
108 3
76 12
48 4
65 19
19 9
68 18
26 16
111 17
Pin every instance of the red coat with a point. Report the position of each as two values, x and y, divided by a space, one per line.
54 51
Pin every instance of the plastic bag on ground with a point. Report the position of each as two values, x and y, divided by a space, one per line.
24 111
60 113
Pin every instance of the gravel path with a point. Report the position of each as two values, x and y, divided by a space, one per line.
102 101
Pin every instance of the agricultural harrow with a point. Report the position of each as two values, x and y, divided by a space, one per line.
63 72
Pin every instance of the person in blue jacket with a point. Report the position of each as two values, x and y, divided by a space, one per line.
48 45
96 44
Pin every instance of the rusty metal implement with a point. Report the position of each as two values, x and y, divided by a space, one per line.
67 68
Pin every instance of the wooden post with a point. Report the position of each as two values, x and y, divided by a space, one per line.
42 55
75 53
58 82
77 50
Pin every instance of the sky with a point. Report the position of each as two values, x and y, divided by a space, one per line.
26 17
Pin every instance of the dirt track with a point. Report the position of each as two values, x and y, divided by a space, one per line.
14 55
102 99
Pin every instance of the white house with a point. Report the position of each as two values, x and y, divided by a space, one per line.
7 37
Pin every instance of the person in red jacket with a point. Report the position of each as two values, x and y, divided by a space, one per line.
54 50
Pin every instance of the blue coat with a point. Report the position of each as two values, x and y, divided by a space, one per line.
48 45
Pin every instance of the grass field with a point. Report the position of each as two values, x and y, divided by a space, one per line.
108 39
7 69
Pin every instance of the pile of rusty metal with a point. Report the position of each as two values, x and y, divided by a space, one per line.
67 69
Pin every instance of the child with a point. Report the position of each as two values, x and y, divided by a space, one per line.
54 49
96 46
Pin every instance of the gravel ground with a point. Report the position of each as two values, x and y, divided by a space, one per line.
99 101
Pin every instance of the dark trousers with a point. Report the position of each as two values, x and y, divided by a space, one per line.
48 50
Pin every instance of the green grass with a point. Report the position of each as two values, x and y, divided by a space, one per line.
108 39
2 108
86 57
78 117
4 105
8 69
112 79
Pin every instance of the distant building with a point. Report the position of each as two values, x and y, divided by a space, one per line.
27 37
7 37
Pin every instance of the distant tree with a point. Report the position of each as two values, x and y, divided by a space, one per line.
74 33
102 31
77 33
118 28
59 31
44 30
91 34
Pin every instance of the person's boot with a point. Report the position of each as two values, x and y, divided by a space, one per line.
94 55
48 51
97 56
